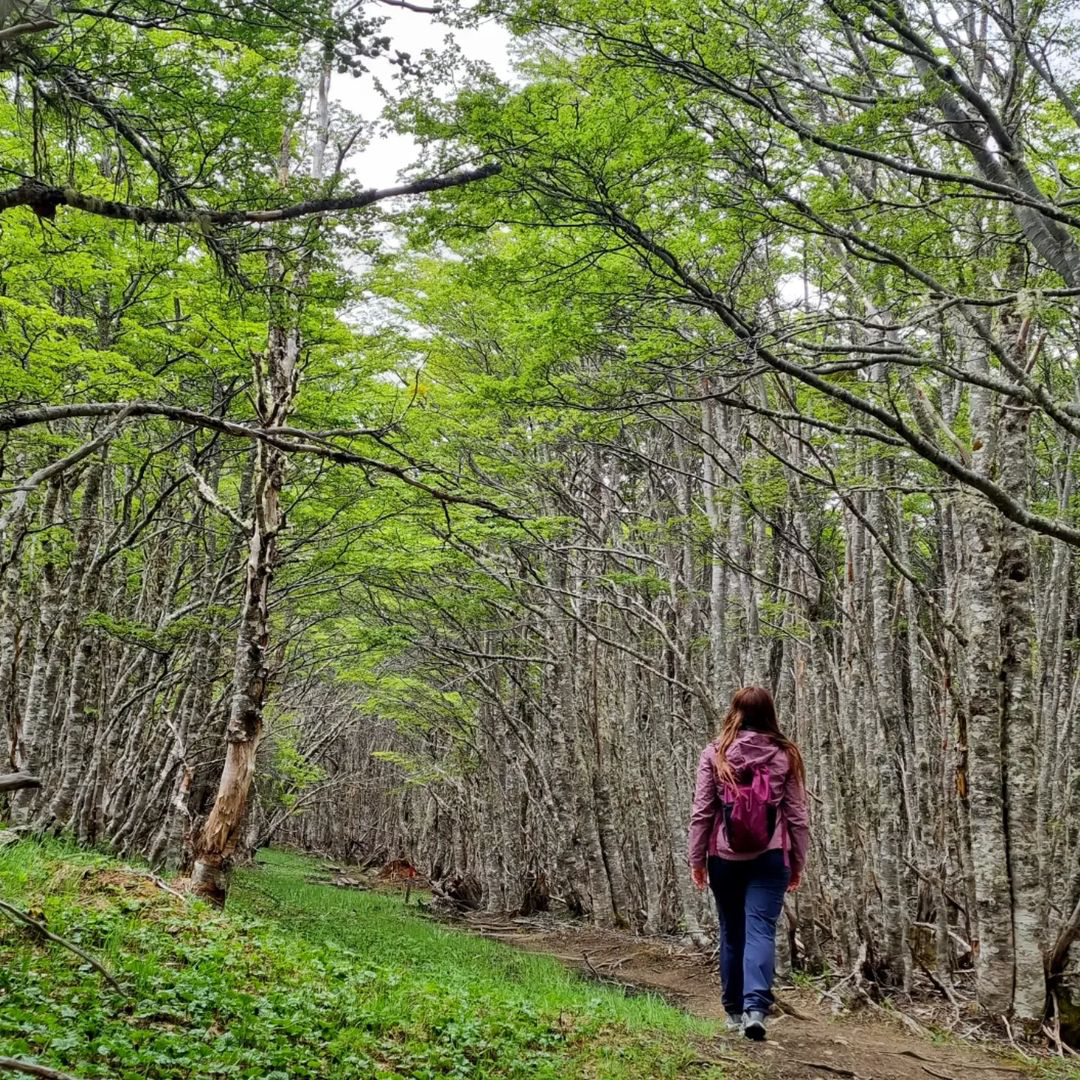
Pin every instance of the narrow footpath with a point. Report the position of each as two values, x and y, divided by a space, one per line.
806 1042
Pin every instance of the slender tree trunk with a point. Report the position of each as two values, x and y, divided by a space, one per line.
219 837
985 740
276 375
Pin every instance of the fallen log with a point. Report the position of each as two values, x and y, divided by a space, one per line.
32 1069
18 780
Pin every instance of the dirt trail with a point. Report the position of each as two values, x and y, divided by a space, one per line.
805 1041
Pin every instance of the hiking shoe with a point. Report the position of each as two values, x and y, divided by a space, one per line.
753 1025
733 1023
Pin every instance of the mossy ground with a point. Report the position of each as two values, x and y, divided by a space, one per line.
298 980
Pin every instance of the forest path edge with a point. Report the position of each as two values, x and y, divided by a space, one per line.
295 981
805 1041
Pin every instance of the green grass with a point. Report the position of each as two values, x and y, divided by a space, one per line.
299 980
1054 1069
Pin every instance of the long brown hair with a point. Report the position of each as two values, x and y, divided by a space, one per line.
752 709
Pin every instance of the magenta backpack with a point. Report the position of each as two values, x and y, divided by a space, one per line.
749 814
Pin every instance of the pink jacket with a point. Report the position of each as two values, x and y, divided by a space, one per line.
706 822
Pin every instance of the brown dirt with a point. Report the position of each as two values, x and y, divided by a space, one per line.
806 1042
101 888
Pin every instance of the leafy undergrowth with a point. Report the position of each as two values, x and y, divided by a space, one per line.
299 980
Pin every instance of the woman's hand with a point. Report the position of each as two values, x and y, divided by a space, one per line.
700 877
795 882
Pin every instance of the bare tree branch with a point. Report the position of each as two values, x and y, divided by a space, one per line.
298 441
23 489
43 199
210 497
701 295
32 26
421 8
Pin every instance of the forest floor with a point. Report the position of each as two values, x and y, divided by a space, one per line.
806 1040
298 980
311 974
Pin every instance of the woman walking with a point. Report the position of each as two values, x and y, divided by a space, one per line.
748 839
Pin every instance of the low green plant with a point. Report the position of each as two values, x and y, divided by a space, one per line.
299 980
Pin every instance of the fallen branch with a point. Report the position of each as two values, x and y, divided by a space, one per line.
22 917
939 1075
941 986
897 1014
589 965
717 1059
15 781
839 1070
1012 1041
788 1009
162 884
914 1054
610 980
30 1069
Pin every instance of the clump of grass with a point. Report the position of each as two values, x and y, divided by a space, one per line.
300 980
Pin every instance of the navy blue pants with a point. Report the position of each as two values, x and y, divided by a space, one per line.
749 898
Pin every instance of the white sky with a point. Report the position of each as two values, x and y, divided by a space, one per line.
379 164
